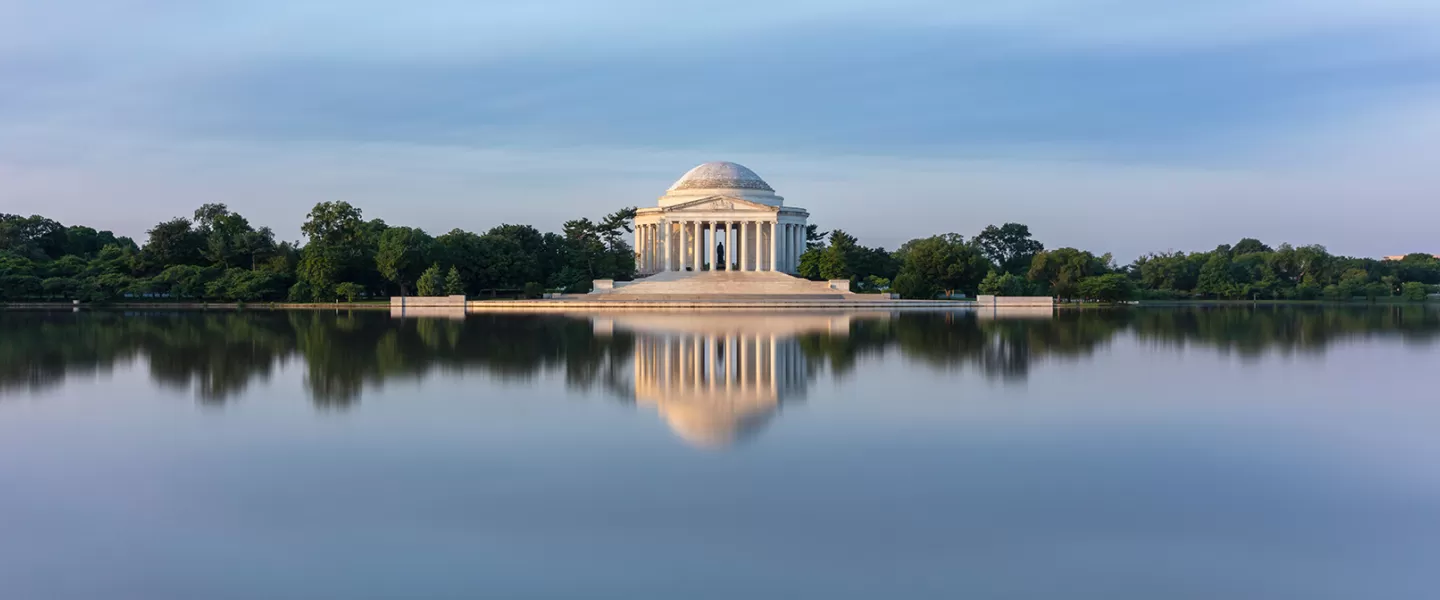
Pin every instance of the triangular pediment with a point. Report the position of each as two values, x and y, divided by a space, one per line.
722 203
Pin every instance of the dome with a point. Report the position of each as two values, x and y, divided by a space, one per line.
721 175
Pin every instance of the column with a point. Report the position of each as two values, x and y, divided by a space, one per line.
795 249
799 244
645 248
687 244
741 236
785 248
697 235
729 245
710 247
774 246
671 247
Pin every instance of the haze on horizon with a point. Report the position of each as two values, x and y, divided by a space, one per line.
1124 127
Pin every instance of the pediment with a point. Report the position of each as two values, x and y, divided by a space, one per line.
722 203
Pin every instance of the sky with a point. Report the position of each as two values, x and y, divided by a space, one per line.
1122 126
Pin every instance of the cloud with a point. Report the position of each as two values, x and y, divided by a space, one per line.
1115 125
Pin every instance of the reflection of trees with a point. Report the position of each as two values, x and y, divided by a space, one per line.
1001 348
1250 331
217 354
1007 348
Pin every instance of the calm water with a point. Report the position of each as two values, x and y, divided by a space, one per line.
1155 454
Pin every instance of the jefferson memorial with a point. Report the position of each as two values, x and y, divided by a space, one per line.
720 217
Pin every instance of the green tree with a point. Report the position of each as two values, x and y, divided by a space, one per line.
1376 290
454 286
1216 279
335 223
940 263
34 237
172 243
1004 284
1061 270
1009 246
402 254
910 284
185 282
431 282
349 290
814 238
1414 291
1111 287
1249 246
319 270
67 287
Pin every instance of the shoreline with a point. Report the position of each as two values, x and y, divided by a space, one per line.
551 305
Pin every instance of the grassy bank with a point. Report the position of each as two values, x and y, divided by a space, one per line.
370 305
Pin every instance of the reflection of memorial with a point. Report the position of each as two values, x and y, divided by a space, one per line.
719 379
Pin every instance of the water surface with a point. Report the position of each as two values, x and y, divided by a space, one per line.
1176 453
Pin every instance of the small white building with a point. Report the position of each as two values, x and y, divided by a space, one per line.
720 216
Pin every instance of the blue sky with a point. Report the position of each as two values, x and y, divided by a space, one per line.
1115 125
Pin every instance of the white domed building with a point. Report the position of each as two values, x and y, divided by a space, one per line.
720 216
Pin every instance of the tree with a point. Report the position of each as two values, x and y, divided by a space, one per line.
1112 287
1215 277
349 290
1376 290
336 223
228 240
183 281
912 285
1353 282
62 287
431 282
1414 291
454 286
1061 270
835 260
1005 284
1249 246
171 243
814 238
402 254
34 237
1009 246
940 263
319 270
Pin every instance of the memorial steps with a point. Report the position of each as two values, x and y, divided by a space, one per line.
762 285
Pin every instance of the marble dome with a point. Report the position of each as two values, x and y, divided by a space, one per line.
721 175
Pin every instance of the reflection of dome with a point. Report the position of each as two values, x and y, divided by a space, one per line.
716 389
721 175
715 425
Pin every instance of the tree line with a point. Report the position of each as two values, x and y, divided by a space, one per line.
1007 260
218 255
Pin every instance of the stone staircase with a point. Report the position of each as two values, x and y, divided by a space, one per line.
763 285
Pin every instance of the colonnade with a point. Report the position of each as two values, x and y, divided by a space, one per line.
695 245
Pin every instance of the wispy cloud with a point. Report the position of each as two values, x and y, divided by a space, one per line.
1180 123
